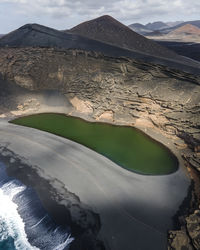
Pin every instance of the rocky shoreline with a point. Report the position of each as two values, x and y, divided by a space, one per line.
161 102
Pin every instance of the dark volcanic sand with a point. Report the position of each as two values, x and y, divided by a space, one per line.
51 193
135 210
191 50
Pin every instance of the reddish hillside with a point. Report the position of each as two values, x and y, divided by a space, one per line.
186 29
109 30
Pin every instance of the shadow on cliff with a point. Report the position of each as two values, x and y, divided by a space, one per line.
12 95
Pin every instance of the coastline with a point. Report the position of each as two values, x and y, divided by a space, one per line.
126 173
128 92
57 201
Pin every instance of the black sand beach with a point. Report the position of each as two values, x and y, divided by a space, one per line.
101 202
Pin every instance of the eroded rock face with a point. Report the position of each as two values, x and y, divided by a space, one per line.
114 89
82 106
107 116
179 240
117 90
193 228
189 237
135 93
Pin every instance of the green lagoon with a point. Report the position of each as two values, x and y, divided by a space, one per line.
126 146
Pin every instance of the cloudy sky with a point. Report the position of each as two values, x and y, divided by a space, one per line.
63 14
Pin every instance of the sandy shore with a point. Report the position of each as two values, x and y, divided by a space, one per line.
135 210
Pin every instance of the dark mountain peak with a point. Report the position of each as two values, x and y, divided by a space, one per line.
32 35
37 27
30 26
100 24
33 26
109 37
108 30
104 18
107 20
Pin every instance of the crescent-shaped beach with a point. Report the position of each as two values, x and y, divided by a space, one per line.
135 210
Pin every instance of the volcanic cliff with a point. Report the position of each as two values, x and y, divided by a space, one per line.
138 47
116 90
154 98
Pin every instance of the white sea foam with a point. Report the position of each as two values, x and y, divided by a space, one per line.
64 244
39 221
11 224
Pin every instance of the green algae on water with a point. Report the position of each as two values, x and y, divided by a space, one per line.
126 146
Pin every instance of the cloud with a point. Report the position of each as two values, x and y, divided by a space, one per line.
124 10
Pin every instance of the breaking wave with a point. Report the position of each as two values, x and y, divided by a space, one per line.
24 223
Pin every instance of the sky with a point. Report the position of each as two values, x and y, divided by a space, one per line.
64 14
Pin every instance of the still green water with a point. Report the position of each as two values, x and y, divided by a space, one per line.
126 146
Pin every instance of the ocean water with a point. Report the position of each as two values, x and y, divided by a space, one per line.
24 223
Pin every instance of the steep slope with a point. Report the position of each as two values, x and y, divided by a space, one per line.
188 49
67 71
37 35
141 94
109 30
156 99
34 35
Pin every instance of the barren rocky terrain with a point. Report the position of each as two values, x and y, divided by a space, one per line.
189 49
111 38
109 30
154 98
